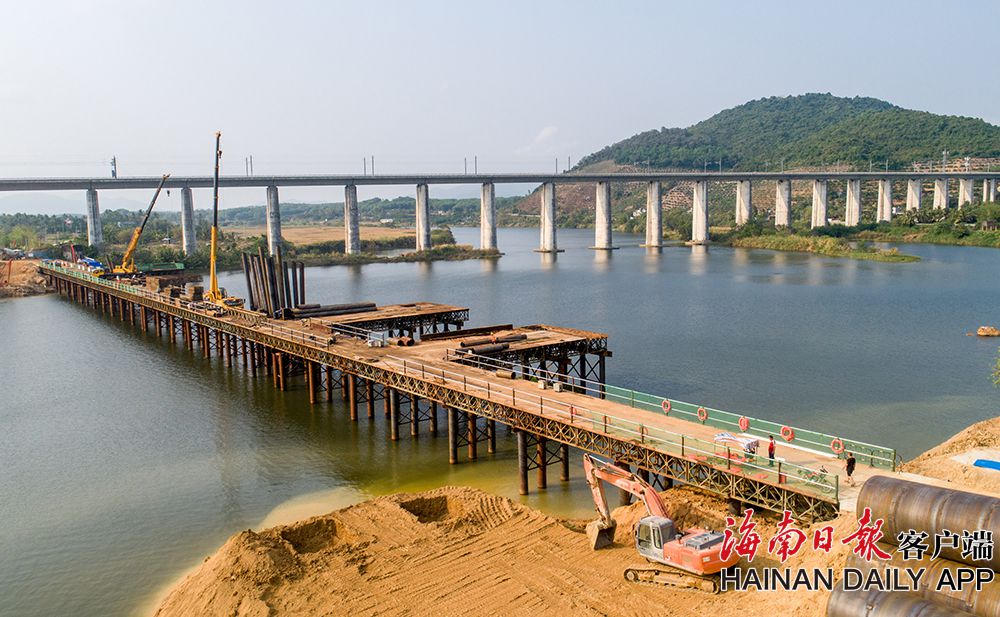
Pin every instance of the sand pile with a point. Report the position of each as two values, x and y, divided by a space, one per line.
459 551
24 279
952 460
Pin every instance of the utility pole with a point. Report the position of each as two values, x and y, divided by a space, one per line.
568 165
364 162
557 164
373 164
251 164
466 162
475 164
114 167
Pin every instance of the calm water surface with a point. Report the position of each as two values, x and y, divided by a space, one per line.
127 460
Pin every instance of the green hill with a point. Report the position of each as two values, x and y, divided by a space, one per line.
806 130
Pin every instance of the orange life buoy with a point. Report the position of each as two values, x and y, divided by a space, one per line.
837 445
702 414
744 423
787 433
665 405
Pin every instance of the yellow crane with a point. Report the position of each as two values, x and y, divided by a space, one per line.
128 261
214 294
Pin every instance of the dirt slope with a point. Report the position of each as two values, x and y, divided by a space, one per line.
24 279
952 460
459 551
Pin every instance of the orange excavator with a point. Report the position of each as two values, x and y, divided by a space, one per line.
691 559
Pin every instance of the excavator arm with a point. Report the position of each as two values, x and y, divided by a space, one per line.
602 531
128 261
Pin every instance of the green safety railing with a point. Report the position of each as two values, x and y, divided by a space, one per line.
871 454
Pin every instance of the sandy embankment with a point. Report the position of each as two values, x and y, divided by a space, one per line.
457 550
24 279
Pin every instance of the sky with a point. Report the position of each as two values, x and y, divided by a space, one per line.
316 87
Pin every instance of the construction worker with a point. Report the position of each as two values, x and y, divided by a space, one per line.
849 465
770 451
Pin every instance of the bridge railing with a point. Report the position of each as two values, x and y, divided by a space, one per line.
874 455
798 477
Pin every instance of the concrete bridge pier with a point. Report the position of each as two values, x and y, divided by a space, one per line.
699 213
964 191
783 204
423 218
852 215
548 226
352 229
993 190
941 194
273 215
95 234
188 242
487 217
744 202
884 211
914 190
819 215
986 191
602 217
654 215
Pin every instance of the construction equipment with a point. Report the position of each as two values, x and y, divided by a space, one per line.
128 260
214 294
691 559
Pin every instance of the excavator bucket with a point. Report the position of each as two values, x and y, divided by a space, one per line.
600 535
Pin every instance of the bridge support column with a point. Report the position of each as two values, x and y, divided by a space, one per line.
986 191
487 217
564 460
654 215
624 497
470 423
602 216
548 222
522 462
188 242
352 232
273 216
392 400
542 456
452 416
432 423
699 213
964 191
820 202
370 398
852 215
352 396
993 190
941 194
783 204
914 190
423 219
95 234
884 211
744 202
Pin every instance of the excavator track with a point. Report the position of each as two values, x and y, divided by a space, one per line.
672 577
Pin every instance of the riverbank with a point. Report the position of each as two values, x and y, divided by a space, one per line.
24 279
457 550
822 245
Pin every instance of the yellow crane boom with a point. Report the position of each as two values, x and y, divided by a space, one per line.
128 261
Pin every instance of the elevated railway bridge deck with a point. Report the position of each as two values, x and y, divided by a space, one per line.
547 385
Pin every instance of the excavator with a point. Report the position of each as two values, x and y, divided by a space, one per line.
128 266
692 559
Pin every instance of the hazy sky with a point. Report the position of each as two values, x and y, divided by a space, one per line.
313 87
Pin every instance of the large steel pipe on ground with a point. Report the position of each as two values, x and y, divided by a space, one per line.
907 505
884 604
982 603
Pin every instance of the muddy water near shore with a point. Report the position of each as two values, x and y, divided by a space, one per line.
127 459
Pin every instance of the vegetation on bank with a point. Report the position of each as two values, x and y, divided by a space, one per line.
831 247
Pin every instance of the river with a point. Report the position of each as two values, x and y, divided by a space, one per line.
126 460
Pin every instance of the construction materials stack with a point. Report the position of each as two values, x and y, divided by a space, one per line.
277 288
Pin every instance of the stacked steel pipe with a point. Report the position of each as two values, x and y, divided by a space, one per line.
274 284
904 506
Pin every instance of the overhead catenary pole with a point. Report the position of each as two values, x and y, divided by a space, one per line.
213 287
